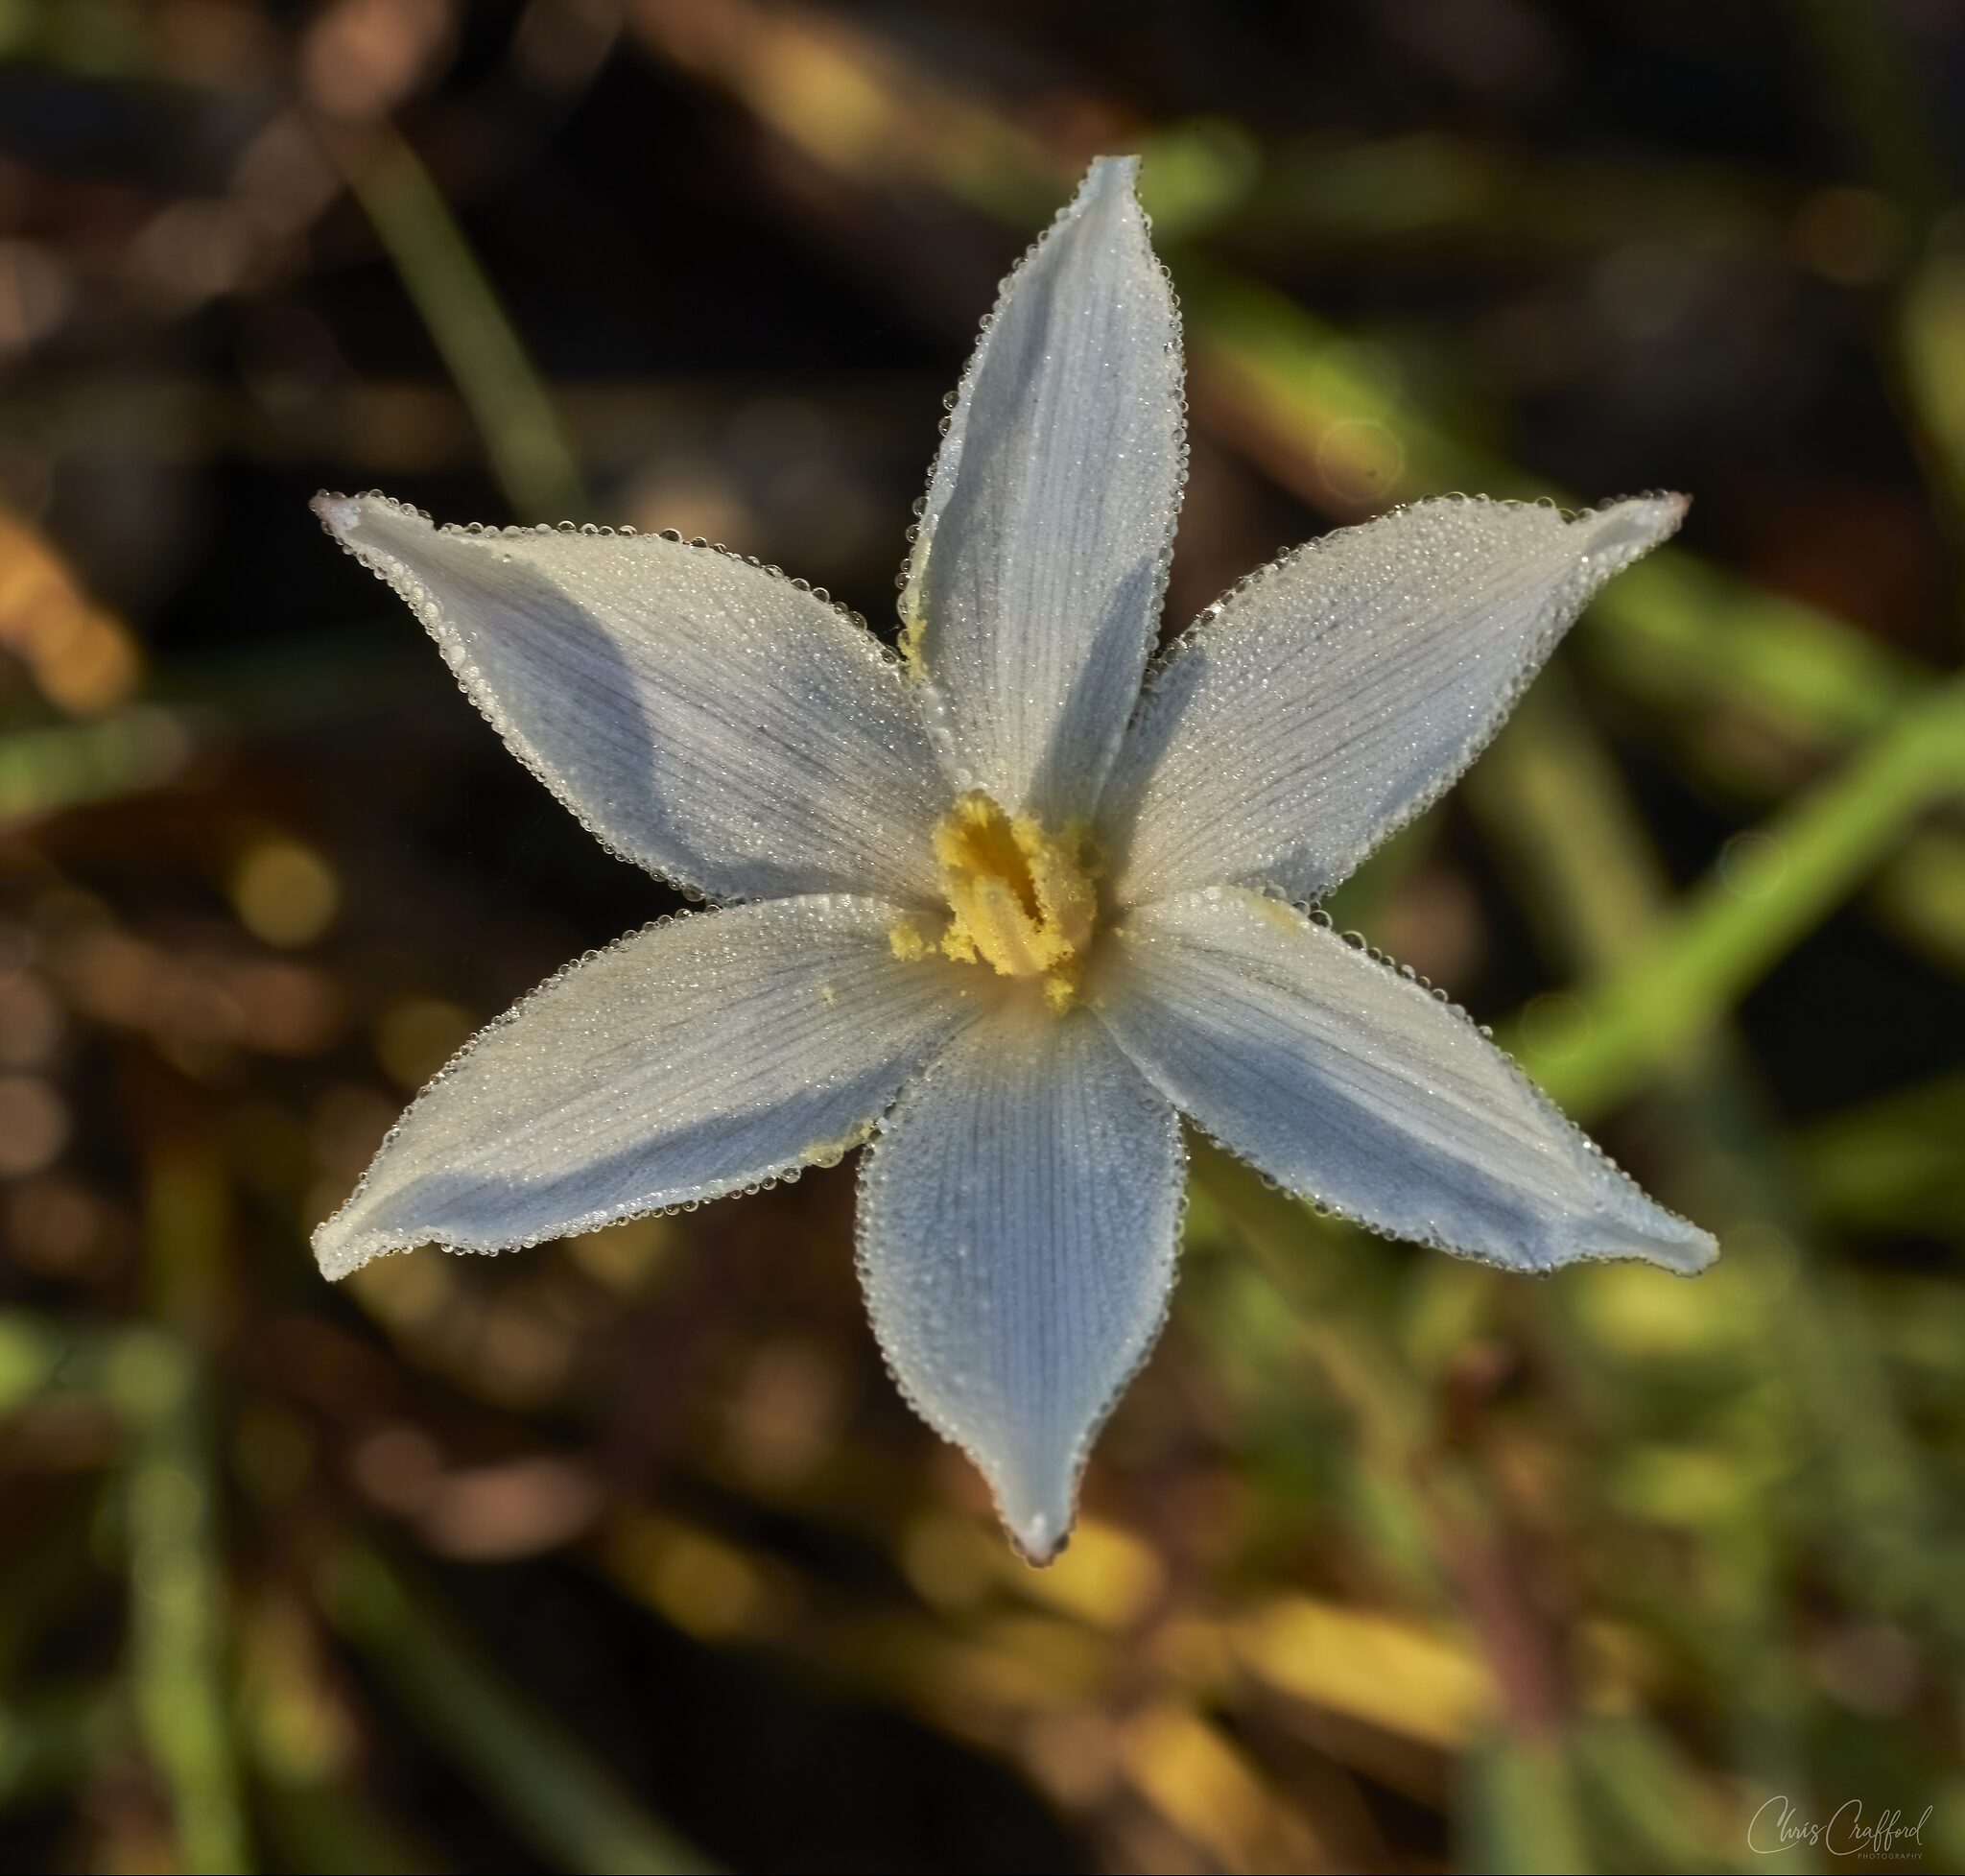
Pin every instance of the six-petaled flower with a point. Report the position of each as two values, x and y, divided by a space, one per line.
989 906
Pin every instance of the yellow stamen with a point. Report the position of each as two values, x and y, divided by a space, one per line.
910 940
1020 898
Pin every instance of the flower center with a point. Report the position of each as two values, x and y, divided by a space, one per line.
1020 898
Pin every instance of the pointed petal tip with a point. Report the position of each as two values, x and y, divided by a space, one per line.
1039 1552
347 1240
337 512
1108 196
1109 173
1662 1238
1037 1501
1040 1537
335 1250
1623 531
1690 1252
360 523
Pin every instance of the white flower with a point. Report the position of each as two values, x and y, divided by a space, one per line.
988 907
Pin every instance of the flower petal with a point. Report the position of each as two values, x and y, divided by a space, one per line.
1351 1084
1323 705
719 725
691 1058
1033 588
1017 1221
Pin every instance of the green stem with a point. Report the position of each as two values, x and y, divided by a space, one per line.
574 1813
1752 910
530 453
178 1636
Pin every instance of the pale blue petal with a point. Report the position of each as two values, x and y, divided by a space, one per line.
1017 1223
688 1060
1033 591
1345 688
1353 1085
714 722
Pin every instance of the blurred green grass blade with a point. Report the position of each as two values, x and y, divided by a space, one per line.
1887 1533
1548 799
1932 339
1254 344
1195 174
528 446
1920 897
33 1353
305 1757
63 765
1519 1810
1751 910
177 1598
1894 1163
1645 1806
523 1765
1748 1547
1335 1299
1683 636
1432 189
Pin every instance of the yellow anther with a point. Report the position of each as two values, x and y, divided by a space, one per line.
910 940
1020 898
